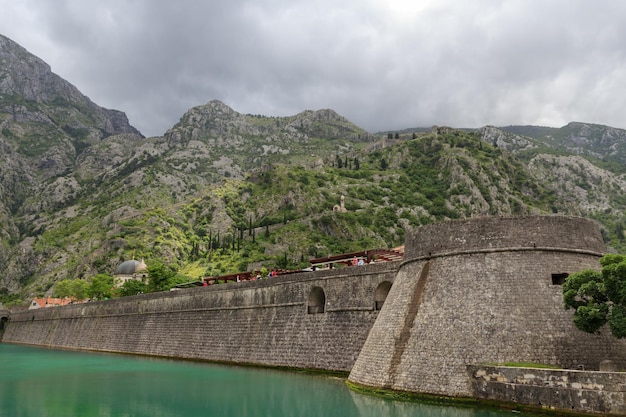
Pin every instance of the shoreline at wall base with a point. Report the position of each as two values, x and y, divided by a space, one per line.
462 402
391 394
291 369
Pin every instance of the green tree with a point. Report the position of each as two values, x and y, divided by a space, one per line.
131 287
599 297
76 288
79 288
100 287
63 288
160 277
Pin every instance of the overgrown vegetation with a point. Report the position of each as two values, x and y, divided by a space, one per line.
599 297
281 215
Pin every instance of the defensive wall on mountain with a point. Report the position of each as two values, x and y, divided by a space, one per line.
468 295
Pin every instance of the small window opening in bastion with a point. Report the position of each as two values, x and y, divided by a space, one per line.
317 301
559 279
380 295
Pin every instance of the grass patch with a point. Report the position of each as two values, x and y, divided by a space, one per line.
193 270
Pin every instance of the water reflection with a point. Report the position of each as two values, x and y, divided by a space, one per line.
49 383
372 406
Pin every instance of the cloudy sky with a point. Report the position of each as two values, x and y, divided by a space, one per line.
383 64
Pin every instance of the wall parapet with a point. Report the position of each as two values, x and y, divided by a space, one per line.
503 233
556 389
508 250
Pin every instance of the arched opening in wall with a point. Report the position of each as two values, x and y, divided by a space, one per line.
3 321
317 301
380 295
559 279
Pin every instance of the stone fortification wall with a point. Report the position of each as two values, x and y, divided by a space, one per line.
572 390
265 322
483 291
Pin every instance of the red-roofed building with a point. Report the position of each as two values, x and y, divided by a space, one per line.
49 302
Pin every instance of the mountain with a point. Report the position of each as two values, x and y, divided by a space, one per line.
570 163
604 143
213 141
45 125
222 192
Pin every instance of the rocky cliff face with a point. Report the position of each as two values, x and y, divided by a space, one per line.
216 140
45 122
583 165
31 92
45 126
605 143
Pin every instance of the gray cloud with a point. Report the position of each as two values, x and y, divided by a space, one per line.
384 64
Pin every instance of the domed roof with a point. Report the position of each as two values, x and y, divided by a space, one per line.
130 267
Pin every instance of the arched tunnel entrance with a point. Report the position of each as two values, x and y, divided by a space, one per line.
4 319
381 294
317 301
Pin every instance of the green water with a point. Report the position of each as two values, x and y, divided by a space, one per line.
54 383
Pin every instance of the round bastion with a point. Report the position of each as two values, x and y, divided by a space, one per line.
483 290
